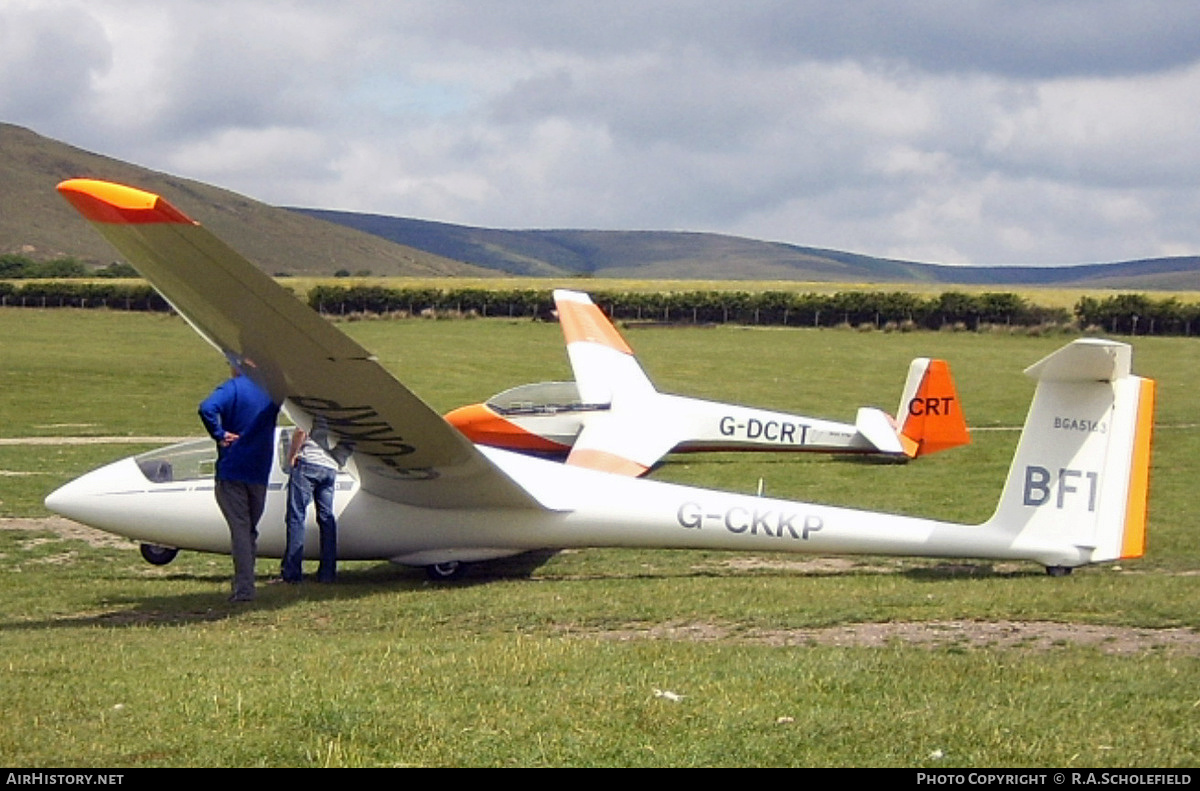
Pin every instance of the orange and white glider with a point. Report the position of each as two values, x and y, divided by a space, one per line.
418 492
612 418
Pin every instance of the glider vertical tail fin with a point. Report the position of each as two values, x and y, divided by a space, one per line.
930 414
1077 489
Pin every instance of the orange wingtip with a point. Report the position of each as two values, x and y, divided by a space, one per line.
583 321
103 201
605 462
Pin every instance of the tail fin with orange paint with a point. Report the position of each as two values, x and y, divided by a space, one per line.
930 416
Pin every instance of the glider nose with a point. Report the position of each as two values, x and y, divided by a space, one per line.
61 499
90 498
483 426
480 424
70 499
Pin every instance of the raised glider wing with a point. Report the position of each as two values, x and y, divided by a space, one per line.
612 418
422 494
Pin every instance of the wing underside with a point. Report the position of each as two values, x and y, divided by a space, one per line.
404 451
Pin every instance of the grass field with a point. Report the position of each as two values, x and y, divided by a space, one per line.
779 660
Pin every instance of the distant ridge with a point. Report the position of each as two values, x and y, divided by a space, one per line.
673 255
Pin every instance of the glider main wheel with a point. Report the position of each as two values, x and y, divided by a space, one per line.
1058 571
444 572
159 556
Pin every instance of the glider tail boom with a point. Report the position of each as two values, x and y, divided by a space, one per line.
1077 489
930 415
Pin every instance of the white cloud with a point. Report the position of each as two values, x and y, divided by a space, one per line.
1118 131
1016 132
50 56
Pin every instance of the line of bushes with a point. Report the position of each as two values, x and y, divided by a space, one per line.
1125 314
68 294
1138 314
14 266
783 308
1128 314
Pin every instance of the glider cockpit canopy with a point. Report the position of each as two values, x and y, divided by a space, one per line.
542 398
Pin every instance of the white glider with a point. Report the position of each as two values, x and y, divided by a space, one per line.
612 418
422 494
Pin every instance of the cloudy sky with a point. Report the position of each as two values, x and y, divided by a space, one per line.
948 131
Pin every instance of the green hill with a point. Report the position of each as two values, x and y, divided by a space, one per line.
36 222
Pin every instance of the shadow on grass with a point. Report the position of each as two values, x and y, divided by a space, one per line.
742 566
357 580
956 571
191 608
360 580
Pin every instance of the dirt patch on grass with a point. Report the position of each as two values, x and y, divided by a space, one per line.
809 565
65 528
19 441
817 566
1027 635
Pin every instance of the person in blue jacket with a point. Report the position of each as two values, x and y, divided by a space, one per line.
240 416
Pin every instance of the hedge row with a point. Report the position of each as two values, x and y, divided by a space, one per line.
14 266
1138 314
705 307
67 294
1128 314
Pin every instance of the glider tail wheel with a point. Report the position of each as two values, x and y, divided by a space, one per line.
1058 571
159 556
444 572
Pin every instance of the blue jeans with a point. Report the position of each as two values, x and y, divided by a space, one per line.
310 483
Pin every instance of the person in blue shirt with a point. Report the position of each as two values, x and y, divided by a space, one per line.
240 416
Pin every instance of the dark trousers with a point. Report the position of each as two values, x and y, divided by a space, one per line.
242 505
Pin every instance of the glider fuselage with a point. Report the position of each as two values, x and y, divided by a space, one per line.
597 510
520 419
